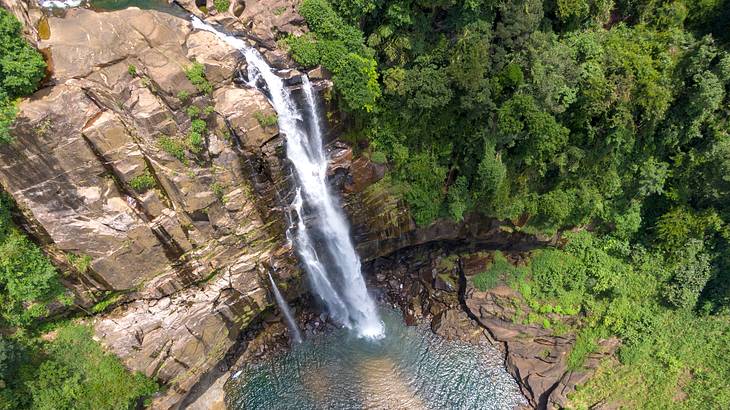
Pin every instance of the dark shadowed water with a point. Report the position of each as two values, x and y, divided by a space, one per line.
411 368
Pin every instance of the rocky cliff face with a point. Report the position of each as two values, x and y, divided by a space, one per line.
176 238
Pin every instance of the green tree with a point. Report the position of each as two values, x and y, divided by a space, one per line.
690 275
28 282
21 70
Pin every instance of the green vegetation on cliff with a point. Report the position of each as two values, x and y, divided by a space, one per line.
71 371
609 116
21 69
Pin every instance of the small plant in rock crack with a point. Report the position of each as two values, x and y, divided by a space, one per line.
265 120
183 96
218 190
196 75
221 5
143 182
193 111
174 147
196 140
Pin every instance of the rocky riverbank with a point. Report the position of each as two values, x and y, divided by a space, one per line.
433 283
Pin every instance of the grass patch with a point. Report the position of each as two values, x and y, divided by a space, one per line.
585 344
143 182
378 157
265 120
500 270
221 5
196 74
81 263
107 301
174 147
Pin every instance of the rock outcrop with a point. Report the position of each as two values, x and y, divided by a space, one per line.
432 283
537 357
263 22
382 224
175 234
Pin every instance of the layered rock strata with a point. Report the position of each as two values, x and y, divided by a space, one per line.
175 233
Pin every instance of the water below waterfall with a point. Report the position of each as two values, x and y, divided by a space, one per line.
321 234
410 368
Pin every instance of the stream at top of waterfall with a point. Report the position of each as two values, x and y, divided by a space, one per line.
409 368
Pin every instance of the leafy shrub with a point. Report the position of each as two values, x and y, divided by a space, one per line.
28 282
173 146
265 120
304 49
221 5
78 374
356 79
196 75
690 275
195 142
198 126
192 111
21 66
423 187
338 47
132 70
458 198
7 116
327 24
143 182
21 70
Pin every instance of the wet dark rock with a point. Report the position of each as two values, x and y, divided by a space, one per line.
293 81
445 282
454 324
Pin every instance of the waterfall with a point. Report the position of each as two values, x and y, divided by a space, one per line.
325 248
284 307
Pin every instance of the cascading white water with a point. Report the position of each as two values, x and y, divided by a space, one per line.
325 249
284 307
